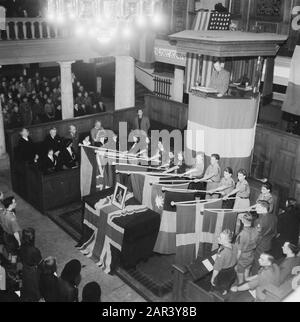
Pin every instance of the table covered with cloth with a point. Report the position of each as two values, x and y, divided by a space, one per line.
119 237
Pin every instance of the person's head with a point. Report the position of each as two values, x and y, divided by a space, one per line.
86 94
91 293
24 133
47 89
262 207
218 66
214 159
49 266
266 260
247 220
28 237
25 99
225 237
290 249
9 203
242 175
98 125
49 100
140 113
72 129
29 80
79 94
71 272
36 101
16 108
50 152
228 172
53 131
291 202
266 188
54 90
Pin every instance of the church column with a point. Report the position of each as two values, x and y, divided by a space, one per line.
178 84
67 99
124 82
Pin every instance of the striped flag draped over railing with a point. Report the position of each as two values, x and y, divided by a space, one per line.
199 68
198 229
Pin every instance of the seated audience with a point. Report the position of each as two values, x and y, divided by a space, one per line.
69 280
269 274
68 157
49 284
224 273
91 293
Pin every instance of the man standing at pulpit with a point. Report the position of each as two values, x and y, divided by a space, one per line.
220 78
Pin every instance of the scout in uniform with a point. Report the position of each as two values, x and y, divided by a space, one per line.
246 242
242 192
226 186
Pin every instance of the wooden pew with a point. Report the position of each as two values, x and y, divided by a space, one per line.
38 132
51 191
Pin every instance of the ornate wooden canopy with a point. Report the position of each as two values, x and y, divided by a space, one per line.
228 43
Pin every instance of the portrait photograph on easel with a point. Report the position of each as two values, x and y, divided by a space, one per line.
119 196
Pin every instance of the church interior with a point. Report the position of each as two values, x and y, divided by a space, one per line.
150 151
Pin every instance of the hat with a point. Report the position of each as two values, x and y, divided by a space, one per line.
91 292
71 270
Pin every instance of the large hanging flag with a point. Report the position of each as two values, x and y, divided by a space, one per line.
199 68
291 104
226 127
198 229
166 240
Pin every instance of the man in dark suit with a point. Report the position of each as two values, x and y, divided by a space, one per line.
26 151
53 141
142 122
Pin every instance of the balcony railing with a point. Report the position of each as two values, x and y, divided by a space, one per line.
33 28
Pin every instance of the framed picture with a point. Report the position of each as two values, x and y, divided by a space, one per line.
119 196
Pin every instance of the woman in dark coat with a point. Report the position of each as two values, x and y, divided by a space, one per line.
30 257
68 157
69 280
49 285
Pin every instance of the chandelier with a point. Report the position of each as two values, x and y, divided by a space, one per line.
106 17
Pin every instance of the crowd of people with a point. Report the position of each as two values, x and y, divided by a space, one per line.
33 100
28 277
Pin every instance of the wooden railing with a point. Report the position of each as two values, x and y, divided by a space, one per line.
33 28
162 87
